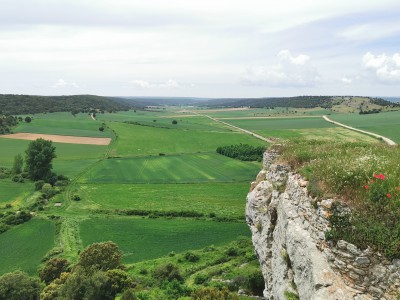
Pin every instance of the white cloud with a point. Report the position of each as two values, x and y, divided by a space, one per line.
294 71
347 80
384 68
61 83
169 84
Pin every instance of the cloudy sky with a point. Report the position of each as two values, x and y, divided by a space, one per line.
218 48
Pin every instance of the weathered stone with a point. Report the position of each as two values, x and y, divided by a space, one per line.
376 292
362 261
345 255
303 183
326 203
354 275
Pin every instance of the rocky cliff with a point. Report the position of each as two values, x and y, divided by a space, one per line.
288 231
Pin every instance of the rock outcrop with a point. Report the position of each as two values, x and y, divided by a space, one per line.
288 232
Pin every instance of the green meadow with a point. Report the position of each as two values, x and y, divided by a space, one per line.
223 199
386 123
23 247
185 168
63 124
14 193
142 239
133 140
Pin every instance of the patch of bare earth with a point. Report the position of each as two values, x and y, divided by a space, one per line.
59 138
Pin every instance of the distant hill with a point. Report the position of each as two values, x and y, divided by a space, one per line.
296 102
172 101
26 104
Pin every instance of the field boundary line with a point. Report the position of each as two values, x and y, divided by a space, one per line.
385 139
242 130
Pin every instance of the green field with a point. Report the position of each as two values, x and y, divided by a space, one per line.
133 140
63 124
14 193
142 239
386 124
187 168
24 246
223 199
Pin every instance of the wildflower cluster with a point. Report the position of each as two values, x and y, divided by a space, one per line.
380 191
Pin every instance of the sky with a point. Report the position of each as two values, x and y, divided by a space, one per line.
218 48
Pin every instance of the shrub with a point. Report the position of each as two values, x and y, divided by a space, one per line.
192 257
76 197
39 184
167 272
174 122
53 269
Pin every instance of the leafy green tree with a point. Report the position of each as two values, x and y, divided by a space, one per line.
19 286
53 269
48 190
18 164
101 256
28 119
39 156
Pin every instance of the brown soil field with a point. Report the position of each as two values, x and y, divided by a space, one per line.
59 138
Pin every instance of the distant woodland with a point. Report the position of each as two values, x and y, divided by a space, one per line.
25 104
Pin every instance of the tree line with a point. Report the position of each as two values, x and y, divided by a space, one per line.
243 152
27 104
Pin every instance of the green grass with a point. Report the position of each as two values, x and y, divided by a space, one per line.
188 168
142 239
63 124
141 140
9 148
386 124
23 246
14 193
223 199
280 123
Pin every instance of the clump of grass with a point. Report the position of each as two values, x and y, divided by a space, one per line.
291 295
366 176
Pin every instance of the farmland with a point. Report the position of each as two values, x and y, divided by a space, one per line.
386 124
185 168
142 239
223 199
158 188
38 234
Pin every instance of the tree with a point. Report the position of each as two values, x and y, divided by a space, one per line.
18 164
28 119
53 269
38 159
128 295
101 128
101 256
174 122
19 286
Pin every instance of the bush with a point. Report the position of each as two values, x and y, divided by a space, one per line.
53 269
242 152
18 178
39 184
190 256
76 197
19 286
174 122
167 272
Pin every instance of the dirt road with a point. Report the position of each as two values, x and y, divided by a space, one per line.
385 139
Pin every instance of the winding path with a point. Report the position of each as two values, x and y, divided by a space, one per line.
385 139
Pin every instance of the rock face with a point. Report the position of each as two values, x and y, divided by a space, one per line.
288 232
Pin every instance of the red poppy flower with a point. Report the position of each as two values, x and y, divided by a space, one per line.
381 176
389 195
376 175
366 187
